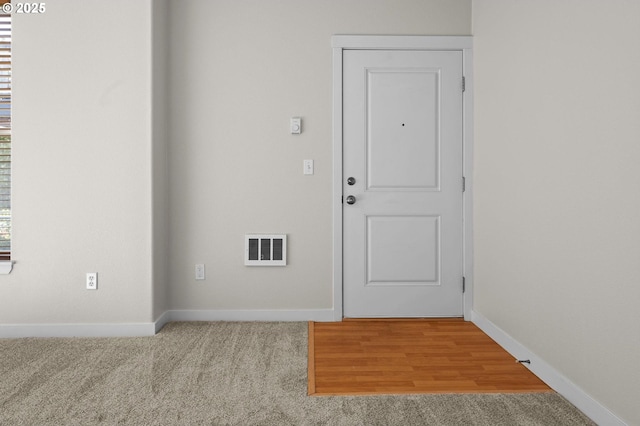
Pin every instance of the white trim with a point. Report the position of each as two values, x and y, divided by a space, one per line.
320 315
346 42
337 183
401 42
14 331
569 390
467 170
6 266
162 321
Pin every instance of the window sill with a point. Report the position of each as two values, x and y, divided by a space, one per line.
5 267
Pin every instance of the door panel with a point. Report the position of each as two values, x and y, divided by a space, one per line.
402 164
402 142
403 250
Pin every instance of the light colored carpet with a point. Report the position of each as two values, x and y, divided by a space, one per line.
222 373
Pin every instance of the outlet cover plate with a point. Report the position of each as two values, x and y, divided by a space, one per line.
92 281
200 271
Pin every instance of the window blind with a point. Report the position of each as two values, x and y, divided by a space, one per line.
5 135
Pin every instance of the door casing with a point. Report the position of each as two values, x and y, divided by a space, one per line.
351 42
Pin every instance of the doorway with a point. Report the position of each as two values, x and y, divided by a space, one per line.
401 158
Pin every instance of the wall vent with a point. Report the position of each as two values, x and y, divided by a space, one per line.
265 250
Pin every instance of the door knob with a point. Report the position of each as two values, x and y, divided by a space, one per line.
351 199
351 181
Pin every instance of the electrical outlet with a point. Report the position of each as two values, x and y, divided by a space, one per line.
200 271
92 281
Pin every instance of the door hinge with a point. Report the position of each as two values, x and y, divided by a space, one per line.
342 199
464 184
464 84
463 285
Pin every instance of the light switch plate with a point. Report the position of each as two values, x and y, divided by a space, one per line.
307 167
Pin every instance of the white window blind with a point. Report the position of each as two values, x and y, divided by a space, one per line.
5 135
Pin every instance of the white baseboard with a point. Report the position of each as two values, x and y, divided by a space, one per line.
14 331
569 390
574 394
76 330
320 315
162 320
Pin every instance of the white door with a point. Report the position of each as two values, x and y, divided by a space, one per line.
402 147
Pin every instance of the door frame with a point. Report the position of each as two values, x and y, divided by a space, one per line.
463 44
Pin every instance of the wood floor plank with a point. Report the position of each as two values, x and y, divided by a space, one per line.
311 372
381 356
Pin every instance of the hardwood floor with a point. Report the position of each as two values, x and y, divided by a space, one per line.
364 357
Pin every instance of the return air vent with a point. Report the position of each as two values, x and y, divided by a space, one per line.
265 250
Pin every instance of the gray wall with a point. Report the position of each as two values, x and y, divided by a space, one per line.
239 71
557 231
81 165
159 144
160 154
143 150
